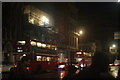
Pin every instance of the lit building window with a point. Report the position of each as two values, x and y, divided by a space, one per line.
79 59
31 21
24 54
21 42
40 23
38 17
84 53
33 43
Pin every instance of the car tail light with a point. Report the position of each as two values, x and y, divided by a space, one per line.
28 68
15 65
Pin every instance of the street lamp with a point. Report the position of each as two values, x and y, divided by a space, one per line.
113 48
78 34
114 45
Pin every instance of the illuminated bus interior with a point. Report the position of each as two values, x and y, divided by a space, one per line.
45 58
39 44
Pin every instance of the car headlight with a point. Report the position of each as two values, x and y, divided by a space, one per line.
61 66
76 66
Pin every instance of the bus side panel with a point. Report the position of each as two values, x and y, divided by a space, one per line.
52 65
43 66
38 66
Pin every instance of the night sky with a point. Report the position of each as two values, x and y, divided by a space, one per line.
100 20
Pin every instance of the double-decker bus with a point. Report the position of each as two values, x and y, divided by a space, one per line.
43 54
83 58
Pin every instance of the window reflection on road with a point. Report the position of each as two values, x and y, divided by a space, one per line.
62 73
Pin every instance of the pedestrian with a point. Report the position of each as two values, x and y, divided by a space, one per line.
99 69
71 73
20 72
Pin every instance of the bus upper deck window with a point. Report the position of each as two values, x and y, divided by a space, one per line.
33 43
39 58
21 42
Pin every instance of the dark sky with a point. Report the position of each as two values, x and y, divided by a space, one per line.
100 19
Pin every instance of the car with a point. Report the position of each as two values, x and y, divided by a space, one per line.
5 67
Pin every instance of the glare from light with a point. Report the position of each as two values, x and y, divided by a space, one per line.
114 45
79 53
24 54
79 59
45 20
31 21
61 66
55 48
81 32
82 65
61 75
77 71
118 0
76 66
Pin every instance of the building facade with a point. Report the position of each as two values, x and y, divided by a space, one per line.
29 21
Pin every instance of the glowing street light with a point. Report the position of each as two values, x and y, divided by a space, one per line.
114 45
81 32
78 34
45 20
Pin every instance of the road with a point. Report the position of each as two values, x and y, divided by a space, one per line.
50 76
58 75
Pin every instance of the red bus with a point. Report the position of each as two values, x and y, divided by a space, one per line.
83 58
43 55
